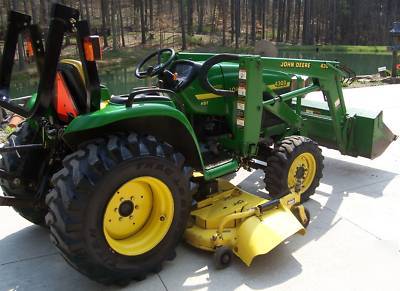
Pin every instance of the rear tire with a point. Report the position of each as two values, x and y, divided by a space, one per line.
86 187
295 158
25 165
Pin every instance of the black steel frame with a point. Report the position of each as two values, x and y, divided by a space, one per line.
63 20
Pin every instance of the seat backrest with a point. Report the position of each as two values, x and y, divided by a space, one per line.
70 97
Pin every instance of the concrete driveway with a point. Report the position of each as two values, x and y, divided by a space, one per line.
353 241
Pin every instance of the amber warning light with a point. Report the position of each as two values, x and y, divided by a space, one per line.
92 48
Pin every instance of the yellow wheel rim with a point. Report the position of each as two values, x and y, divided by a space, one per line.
302 173
138 216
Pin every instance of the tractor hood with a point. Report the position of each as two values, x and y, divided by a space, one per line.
275 80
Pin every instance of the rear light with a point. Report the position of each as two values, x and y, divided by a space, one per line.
92 48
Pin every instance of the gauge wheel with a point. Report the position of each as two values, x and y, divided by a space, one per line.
294 165
120 206
222 257
24 165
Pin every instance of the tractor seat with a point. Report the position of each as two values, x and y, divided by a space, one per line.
122 99
70 91
73 77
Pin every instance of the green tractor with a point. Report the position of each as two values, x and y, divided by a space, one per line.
119 180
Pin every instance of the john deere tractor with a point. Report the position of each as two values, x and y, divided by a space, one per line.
119 180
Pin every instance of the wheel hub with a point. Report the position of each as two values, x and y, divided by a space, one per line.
302 172
126 208
138 216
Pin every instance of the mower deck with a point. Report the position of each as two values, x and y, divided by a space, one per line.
244 223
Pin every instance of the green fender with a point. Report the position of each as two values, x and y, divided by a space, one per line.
160 119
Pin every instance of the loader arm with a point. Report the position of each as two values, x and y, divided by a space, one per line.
359 134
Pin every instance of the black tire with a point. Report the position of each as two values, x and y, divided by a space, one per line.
222 257
280 160
83 188
25 165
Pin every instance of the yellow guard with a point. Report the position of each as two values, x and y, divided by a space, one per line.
231 218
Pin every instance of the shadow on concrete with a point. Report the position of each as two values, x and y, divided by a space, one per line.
279 265
28 261
39 266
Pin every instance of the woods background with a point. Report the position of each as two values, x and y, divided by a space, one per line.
226 22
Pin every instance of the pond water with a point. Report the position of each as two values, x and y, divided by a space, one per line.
121 79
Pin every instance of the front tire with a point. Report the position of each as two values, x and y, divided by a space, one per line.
120 206
294 165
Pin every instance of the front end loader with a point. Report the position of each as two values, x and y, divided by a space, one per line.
119 180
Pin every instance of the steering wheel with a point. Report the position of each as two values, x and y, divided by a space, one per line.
157 69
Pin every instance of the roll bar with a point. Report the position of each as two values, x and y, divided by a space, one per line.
64 20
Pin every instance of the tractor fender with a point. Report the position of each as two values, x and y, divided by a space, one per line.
161 120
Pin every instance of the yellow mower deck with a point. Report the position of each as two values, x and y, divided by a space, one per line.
244 223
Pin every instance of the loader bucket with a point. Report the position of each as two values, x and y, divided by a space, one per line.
259 235
366 133
369 135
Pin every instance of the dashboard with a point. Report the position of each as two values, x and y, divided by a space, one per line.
185 71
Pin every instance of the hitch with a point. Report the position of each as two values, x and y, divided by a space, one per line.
25 147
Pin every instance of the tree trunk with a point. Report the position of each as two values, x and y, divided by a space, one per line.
306 22
43 13
200 15
288 20
21 52
246 9
121 23
298 17
113 25
189 17
333 23
232 2
237 23
81 7
151 15
87 11
34 11
142 21
273 18
104 5
182 23
222 8
253 22
263 15
279 30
